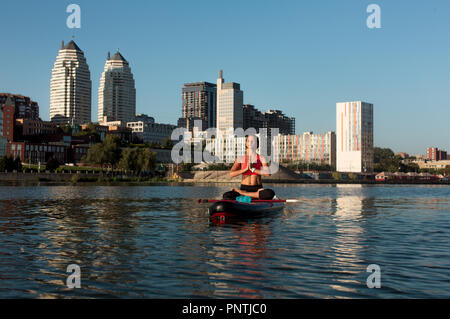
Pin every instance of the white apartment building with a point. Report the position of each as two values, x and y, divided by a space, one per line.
150 132
117 92
70 87
307 147
229 104
354 137
226 148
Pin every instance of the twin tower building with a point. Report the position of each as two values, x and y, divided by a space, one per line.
71 86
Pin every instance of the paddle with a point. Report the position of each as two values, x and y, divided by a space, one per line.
202 201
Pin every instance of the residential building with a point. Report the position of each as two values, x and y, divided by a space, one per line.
102 130
108 123
8 119
276 119
150 132
435 154
225 148
24 107
3 140
229 105
35 153
198 104
306 147
70 87
253 118
117 92
144 118
432 164
27 127
354 137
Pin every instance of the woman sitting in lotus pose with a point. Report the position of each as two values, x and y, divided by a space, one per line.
251 167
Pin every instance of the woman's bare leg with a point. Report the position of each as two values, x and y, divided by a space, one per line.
254 195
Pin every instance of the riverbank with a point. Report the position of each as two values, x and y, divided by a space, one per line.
186 178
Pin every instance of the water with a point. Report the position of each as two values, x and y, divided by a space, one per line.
157 242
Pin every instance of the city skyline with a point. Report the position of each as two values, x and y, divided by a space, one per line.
323 57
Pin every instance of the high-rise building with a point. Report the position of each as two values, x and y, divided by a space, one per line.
229 105
117 92
24 107
70 86
253 118
354 137
198 104
306 147
276 119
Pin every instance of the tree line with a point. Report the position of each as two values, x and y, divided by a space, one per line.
386 161
140 160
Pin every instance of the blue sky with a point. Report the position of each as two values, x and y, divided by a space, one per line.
298 56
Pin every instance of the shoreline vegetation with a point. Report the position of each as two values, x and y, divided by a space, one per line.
107 164
97 177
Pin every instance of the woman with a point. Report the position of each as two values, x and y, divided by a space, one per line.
251 167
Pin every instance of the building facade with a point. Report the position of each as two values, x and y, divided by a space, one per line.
354 137
229 105
198 104
144 118
117 92
24 107
435 154
70 87
148 132
225 148
306 147
253 118
276 119
2 139
35 153
9 119
35 127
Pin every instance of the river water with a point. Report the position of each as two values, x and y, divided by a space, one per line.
157 242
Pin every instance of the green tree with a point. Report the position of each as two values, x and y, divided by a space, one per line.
52 164
90 130
3 163
146 160
107 152
128 161
138 160
337 175
447 169
18 164
7 163
66 128
385 160
167 144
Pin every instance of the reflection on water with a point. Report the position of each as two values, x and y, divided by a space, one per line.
157 242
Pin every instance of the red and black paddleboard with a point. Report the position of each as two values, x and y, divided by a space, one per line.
227 209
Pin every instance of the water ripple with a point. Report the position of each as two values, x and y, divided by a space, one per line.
157 242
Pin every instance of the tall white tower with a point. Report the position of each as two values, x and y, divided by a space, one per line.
117 93
354 137
70 87
230 100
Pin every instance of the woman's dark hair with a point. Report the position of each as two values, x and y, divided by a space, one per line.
257 140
